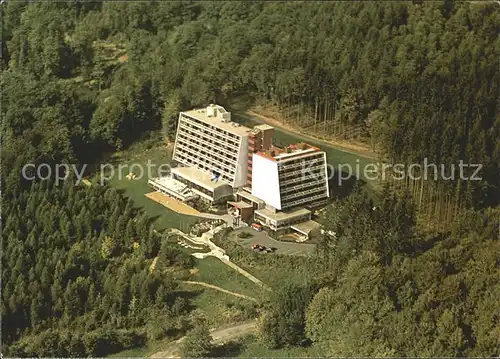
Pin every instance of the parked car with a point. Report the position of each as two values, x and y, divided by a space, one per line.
257 227
260 248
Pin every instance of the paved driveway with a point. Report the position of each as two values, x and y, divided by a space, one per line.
287 248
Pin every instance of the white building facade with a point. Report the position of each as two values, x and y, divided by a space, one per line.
295 176
223 162
207 140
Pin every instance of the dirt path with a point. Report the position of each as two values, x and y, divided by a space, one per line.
203 284
217 252
244 272
219 336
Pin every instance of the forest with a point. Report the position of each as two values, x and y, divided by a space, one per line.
411 80
388 289
76 279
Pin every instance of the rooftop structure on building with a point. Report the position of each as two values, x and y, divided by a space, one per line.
173 188
218 117
278 154
260 139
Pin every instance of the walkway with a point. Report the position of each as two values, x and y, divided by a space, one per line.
203 284
219 336
244 272
216 251
205 240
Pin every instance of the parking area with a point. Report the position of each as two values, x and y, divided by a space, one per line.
286 248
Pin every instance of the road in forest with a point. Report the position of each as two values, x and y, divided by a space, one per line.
219 336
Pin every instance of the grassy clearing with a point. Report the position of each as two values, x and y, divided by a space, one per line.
221 309
213 271
109 52
272 274
269 268
132 160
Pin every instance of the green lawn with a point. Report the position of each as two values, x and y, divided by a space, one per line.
134 158
221 309
273 274
269 268
213 271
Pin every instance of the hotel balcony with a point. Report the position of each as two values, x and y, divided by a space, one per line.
303 200
284 175
304 163
216 157
225 147
218 133
202 159
302 179
302 185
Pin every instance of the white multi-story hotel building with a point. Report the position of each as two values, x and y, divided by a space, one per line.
221 160
286 179
214 148
290 177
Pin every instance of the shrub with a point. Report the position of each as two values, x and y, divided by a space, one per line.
245 235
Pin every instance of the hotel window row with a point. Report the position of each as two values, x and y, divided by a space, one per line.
187 136
220 134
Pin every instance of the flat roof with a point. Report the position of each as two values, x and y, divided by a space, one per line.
173 185
231 127
240 204
291 151
282 215
198 177
306 227
295 153
249 196
264 127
